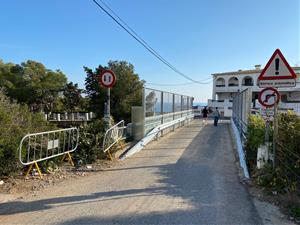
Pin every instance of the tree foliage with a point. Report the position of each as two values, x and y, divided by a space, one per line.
16 121
126 93
72 99
32 83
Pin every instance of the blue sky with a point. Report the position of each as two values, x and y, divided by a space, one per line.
199 37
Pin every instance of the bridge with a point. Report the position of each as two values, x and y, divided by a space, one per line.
180 171
187 177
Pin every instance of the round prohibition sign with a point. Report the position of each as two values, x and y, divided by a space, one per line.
268 97
107 78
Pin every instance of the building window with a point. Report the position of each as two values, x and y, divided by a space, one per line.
220 82
248 81
233 81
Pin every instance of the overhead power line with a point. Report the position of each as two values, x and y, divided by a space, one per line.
134 35
158 84
181 84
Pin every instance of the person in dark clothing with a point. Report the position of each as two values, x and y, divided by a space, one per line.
204 113
216 115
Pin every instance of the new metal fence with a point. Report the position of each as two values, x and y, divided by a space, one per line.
162 107
241 109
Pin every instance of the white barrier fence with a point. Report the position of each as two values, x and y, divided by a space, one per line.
38 147
113 135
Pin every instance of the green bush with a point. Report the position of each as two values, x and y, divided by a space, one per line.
255 137
15 122
286 175
271 179
287 148
90 143
294 211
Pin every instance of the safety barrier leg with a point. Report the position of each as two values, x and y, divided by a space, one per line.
37 167
109 155
69 158
121 145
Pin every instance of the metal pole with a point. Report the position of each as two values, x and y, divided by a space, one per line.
267 137
162 106
107 110
108 102
275 128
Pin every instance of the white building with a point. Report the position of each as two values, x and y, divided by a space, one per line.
226 85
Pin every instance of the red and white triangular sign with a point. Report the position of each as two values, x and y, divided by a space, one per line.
277 68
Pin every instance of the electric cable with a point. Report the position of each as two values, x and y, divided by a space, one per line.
134 35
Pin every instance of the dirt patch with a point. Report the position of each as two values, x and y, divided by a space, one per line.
19 186
278 200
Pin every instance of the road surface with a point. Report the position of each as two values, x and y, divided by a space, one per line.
187 177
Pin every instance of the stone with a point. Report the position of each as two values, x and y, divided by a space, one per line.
89 166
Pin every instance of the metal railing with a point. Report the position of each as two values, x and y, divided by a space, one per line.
154 121
242 128
46 145
241 109
156 132
156 102
113 135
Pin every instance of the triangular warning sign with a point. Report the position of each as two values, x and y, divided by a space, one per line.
277 68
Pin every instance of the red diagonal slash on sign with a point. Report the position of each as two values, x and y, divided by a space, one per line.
269 96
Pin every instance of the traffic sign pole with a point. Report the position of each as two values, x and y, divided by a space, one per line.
275 131
107 79
108 108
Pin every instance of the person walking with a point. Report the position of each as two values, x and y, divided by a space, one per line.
204 114
216 115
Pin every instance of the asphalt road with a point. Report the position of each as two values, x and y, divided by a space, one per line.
187 177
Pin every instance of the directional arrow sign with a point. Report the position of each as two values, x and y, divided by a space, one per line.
268 97
277 72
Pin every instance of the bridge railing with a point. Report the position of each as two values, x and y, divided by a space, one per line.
241 109
154 121
157 108
162 107
156 132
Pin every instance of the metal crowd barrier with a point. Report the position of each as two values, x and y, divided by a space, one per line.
38 147
113 135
